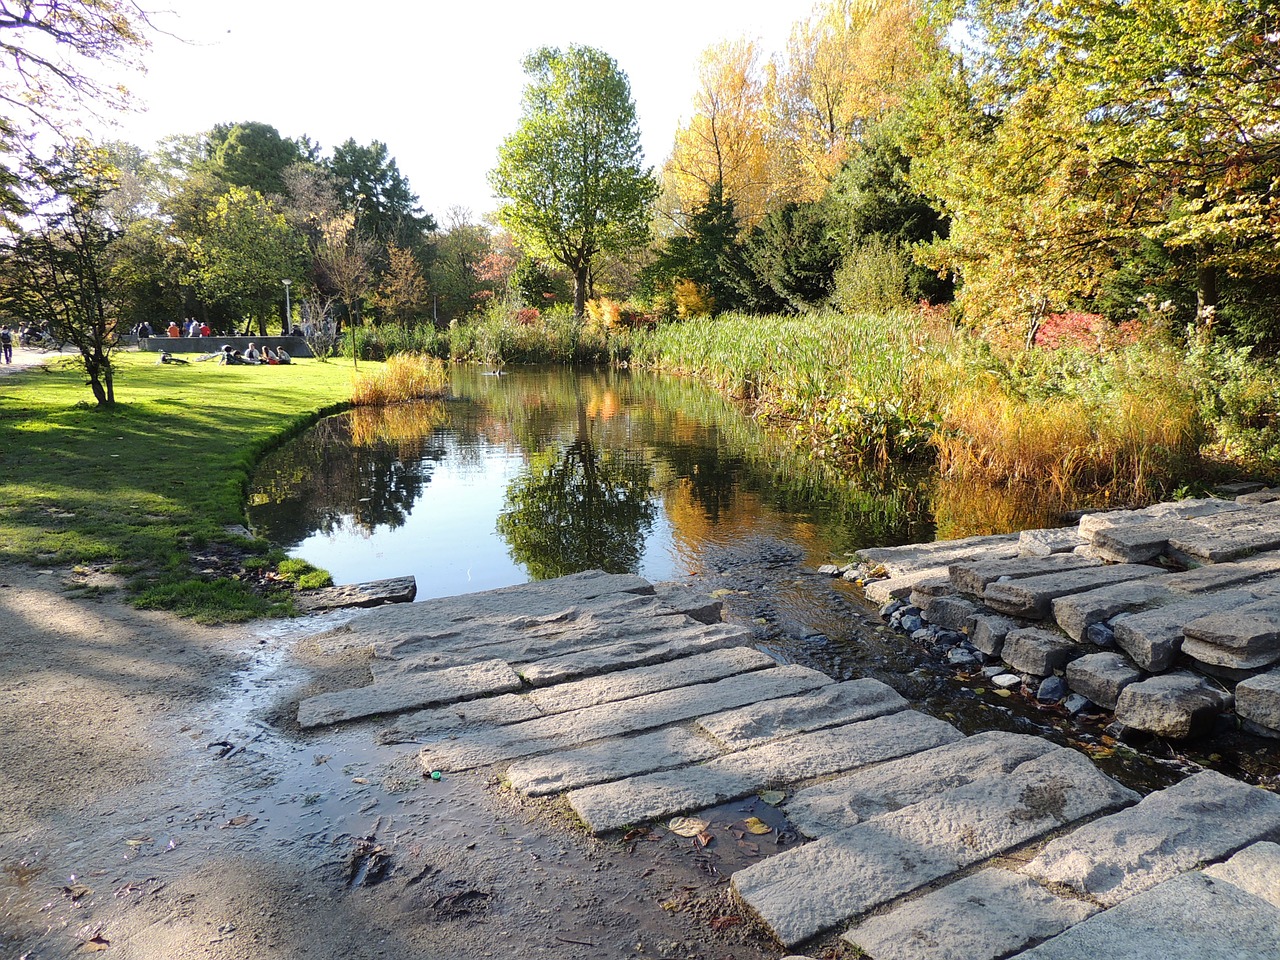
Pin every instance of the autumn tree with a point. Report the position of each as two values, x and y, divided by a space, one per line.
457 253
369 182
402 293
571 174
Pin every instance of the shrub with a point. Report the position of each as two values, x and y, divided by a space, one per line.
405 376
873 278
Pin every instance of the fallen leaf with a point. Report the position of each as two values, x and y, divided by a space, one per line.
979 690
686 826
756 825
359 780
241 821
704 838
751 848
76 890
634 834
1002 693
138 841
719 923
772 797
94 944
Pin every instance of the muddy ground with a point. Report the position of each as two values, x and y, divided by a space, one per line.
158 802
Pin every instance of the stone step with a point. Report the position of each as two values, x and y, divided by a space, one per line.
579 727
813 888
1243 638
1076 612
984 916
625 684
1221 576
973 578
917 556
423 725
1258 703
1139 542
1154 637
1042 543
1205 817
375 593
838 804
1255 870
1174 705
1242 536
434 688
1101 677
1031 598
607 760
1039 652
837 703
881 592
610 806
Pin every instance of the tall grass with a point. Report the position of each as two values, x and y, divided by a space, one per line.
405 376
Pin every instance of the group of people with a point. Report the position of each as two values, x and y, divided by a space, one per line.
192 328
253 355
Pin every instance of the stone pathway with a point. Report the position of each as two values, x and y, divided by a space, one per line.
635 705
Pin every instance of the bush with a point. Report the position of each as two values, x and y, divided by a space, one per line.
873 278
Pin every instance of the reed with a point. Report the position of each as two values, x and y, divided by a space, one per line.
405 376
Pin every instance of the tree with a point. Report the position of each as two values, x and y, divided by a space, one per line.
369 181
793 258
709 255
402 294
52 48
571 173
59 265
456 255
252 155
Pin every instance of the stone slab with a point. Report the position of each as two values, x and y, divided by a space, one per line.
435 688
827 706
1042 543
1138 542
881 592
625 684
423 725
689 601
1255 870
1174 705
1221 576
1251 629
609 760
899 560
812 888
973 578
1036 651
656 647
1153 637
1211 657
1101 677
1075 613
950 613
375 593
1205 817
1032 597
1231 543
1258 700
848 800
984 916
987 632
1192 917
611 806
579 727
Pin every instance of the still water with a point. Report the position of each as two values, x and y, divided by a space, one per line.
539 473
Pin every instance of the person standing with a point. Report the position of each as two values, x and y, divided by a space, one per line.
6 343
174 329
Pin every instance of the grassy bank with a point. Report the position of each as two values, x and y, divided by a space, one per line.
149 486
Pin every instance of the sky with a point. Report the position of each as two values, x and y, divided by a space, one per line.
438 82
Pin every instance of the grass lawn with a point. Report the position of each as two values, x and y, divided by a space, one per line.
149 484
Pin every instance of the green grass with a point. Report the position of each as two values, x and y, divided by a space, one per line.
149 484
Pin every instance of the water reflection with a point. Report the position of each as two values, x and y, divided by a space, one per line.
539 473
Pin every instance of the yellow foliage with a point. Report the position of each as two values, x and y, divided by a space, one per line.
692 300
604 313
405 376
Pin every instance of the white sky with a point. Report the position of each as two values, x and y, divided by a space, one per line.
439 81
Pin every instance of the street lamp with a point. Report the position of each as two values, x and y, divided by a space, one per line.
284 331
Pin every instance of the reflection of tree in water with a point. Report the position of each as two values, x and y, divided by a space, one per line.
582 508
359 470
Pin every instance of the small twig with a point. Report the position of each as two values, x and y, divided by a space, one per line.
581 943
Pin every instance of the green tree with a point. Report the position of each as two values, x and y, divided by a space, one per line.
793 258
252 155
369 182
571 174
709 254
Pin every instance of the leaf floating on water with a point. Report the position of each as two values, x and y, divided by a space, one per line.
704 838
751 848
772 797
1002 693
686 826
757 826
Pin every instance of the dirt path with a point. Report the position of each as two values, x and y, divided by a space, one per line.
158 804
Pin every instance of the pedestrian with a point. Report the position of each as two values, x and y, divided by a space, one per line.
174 329
6 343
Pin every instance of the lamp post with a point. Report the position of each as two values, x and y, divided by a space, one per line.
284 331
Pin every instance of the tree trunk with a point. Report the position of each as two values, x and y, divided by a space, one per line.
580 276
1206 290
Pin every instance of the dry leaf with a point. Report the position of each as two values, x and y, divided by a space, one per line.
241 821
1002 693
704 838
686 826
719 923
757 826
751 848
94 944
634 834
772 797
138 841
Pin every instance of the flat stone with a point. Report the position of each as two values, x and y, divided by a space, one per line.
1192 917
1006 681
838 804
610 806
472 714
1220 576
657 646
1258 701
375 593
625 684
1138 542
1032 650
932 587
836 703
418 690
982 917
695 604
1258 495
609 760
1077 612
1227 661
1204 818
1229 543
812 888
881 592
1251 633
579 727
973 578
1255 870
940 553
1042 543
1101 677
987 632
951 613
1154 637
1174 705
1032 597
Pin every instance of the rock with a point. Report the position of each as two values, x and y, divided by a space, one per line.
1051 690
1006 681
1076 613
1255 869
911 623
691 602
974 577
899 587
890 608
1242 639
1076 704
371 594
1101 677
940 553
987 632
1154 637
1137 542
1032 598
1258 702
1174 705
830 570
950 613
960 657
1042 543
1039 652
1100 635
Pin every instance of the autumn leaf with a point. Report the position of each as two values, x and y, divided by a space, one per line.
686 826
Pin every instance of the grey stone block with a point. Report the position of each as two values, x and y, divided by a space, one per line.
1243 638
1154 637
952 613
899 587
1101 677
1075 613
810 889
1258 701
1042 543
973 577
982 917
1032 650
690 602
1204 818
899 560
987 632
1032 597
1255 870
1174 705
441 721
1138 542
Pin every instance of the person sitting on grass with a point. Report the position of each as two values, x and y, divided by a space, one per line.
230 356
167 357
282 357
252 354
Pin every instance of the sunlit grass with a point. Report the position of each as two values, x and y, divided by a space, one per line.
405 376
